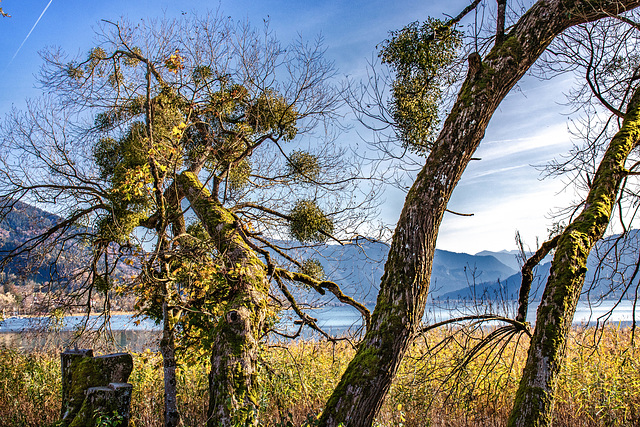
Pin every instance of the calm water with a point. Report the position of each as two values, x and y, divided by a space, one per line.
334 320
125 333
337 320
119 322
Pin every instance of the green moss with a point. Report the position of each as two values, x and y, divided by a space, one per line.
472 89
535 397
509 48
217 221
85 374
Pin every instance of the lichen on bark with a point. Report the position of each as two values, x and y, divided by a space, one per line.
234 354
533 405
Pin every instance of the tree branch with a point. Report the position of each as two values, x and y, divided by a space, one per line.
462 14
502 7
527 276
332 287
519 325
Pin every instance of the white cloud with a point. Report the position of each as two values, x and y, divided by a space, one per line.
496 220
551 136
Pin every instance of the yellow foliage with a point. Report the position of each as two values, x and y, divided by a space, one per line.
175 62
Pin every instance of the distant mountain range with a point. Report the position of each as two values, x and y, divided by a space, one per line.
357 268
487 275
610 269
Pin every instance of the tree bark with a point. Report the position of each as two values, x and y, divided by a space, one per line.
534 400
232 380
168 350
405 283
500 20
527 277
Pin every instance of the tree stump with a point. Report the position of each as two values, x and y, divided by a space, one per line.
95 388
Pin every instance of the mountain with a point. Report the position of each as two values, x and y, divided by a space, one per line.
508 258
507 289
20 224
48 263
453 270
610 266
359 268
490 275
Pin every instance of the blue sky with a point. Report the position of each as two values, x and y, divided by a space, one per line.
503 190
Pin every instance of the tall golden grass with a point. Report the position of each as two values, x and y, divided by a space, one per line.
437 384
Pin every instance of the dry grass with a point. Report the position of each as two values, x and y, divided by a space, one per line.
599 385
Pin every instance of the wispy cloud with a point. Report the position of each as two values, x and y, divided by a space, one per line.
554 137
496 219
494 171
31 31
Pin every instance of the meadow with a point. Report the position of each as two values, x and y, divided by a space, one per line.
446 380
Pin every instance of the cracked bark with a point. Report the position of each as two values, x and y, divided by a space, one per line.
405 283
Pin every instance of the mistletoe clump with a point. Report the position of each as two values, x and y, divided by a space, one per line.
308 223
421 56
303 166
313 268
239 175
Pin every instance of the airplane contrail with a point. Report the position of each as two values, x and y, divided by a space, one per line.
31 31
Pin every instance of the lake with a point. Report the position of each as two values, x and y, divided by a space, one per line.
338 320
335 320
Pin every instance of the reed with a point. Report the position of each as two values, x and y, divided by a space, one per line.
438 384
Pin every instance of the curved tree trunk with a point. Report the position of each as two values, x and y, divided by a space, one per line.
534 400
232 380
405 283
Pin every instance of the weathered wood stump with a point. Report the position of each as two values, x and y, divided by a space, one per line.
95 388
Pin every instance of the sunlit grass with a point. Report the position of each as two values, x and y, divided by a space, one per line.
599 385
29 388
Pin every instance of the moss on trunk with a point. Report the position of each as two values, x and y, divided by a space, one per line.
533 404
232 380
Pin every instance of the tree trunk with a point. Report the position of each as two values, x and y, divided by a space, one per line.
172 417
168 350
534 400
232 380
405 283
